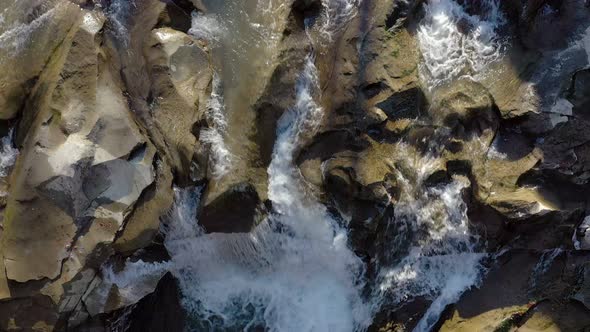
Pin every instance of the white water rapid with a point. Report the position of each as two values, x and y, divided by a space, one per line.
455 43
294 271
437 257
220 158
440 258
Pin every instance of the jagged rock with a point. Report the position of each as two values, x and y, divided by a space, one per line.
582 235
165 300
178 15
181 75
31 43
467 109
547 316
83 154
143 223
579 94
238 209
567 147
84 163
36 313
406 104
112 98
516 292
583 292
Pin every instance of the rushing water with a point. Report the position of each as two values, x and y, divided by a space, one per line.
243 36
455 43
295 271
220 158
436 256
15 35
8 153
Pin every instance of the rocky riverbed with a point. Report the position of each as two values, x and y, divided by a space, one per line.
294 165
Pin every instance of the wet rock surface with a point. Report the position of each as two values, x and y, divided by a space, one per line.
459 177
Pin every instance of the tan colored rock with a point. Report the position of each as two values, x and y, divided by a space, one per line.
494 320
83 166
506 81
144 222
497 186
181 73
29 45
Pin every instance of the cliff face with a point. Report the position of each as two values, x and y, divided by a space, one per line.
446 139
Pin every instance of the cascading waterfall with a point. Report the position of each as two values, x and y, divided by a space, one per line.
293 272
436 256
455 43
243 36
220 158
119 13
439 257
336 14
208 27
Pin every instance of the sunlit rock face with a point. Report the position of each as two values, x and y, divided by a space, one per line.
297 165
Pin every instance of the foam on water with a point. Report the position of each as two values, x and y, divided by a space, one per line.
294 272
336 14
220 158
493 152
207 27
438 258
455 43
8 154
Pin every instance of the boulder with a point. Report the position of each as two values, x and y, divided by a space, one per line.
237 210
166 301
181 75
522 290
30 42
86 170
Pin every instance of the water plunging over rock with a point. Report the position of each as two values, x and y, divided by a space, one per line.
301 165
455 43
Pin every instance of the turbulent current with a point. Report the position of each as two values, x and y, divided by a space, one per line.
456 43
295 270
294 165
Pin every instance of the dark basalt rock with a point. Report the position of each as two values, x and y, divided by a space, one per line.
408 104
159 311
236 210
